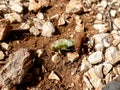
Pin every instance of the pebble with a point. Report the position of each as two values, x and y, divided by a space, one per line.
104 3
13 17
39 52
113 13
34 31
5 46
99 47
54 58
94 79
116 58
2 56
74 6
106 67
24 26
99 37
53 76
40 16
99 16
95 57
61 20
4 28
48 29
16 6
114 85
85 65
100 27
109 54
72 56
116 24
38 23
106 42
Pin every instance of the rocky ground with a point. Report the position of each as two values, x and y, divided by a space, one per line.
59 44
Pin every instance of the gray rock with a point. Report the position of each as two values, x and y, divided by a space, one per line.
95 57
114 85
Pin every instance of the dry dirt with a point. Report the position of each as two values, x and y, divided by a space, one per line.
22 38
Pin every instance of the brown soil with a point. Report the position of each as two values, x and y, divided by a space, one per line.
22 38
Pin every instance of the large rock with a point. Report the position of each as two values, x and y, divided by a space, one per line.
4 28
16 69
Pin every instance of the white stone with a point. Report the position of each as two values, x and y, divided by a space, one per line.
106 67
3 7
40 16
13 17
39 52
98 69
48 29
94 79
4 28
116 22
104 3
100 27
106 42
38 23
74 6
85 65
99 16
24 26
61 20
87 82
95 57
53 76
99 37
109 53
56 16
72 56
5 46
2 56
17 7
99 47
113 13
116 58
54 58
114 85
34 31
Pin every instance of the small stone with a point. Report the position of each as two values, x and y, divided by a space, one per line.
106 67
94 79
119 46
104 3
5 46
108 77
74 6
34 6
99 47
99 16
4 28
116 58
88 83
38 23
116 22
39 52
101 27
34 31
85 65
24 26
56 16
2 56
53 76
48 29
15 6
80 28
61 20
13 17
113 13
109 54
72 56
40 16
106 41
95 57
99 37
55 58
114 85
